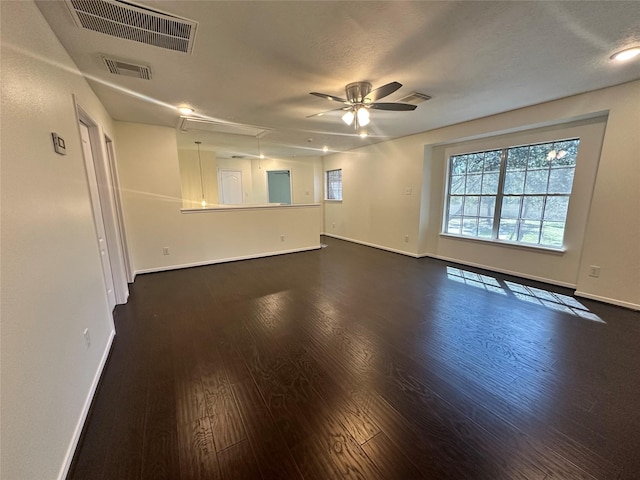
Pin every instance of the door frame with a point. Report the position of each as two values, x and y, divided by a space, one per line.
110 203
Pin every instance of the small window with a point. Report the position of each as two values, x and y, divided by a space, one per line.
517 194
334 185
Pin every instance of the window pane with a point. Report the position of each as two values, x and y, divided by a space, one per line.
492 161
536 181
511 207
532 207
552 234
529 231
474 184
517 158
457 184
455 206
487 206
458 165
556 208
508 230
475 162
485 227
538 155
570 149
561 180
454 225
490 183
514 182
469 226
471 205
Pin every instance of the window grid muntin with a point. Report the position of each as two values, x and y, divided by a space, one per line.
333 184
571 154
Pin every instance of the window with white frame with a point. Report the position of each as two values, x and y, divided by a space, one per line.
518 194
333 185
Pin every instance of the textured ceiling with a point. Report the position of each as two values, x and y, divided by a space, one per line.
256 62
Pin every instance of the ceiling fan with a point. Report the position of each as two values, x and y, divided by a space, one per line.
361 98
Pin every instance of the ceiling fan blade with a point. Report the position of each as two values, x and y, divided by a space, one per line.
320 114
398 107
329 97
382 91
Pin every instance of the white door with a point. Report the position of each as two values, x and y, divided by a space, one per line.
231 187
97 215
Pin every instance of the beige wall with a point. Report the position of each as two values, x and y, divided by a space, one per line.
52 284
154 220
376 211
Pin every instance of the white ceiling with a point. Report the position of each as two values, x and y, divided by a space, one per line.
256 62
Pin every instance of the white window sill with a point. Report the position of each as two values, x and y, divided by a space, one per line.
503 243
326 200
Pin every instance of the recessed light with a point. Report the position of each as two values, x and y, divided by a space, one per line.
363 134
626 54
325 149
185 110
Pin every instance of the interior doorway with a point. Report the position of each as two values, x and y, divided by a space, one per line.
279 186
231 192
90 161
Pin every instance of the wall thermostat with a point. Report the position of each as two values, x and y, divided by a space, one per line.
58 144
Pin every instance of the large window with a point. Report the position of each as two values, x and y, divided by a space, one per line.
517 194
334 185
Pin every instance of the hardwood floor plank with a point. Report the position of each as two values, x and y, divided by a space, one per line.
273 455
238 461
197 453
389 459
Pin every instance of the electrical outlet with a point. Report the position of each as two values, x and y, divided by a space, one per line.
406 239
282 238
87 338
333 225
408 190
594 271
165 250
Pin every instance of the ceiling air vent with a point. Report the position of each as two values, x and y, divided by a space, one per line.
120 67
415 98
132 22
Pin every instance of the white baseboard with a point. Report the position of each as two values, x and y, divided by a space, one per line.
225 260
85 410
501 270
613 301
380 247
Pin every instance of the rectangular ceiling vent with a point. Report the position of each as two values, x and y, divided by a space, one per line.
204 125
132 22
120 67
415 98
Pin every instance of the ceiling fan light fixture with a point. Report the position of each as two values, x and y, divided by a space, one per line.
363 117
348 117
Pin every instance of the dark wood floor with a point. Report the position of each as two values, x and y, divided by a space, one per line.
352 362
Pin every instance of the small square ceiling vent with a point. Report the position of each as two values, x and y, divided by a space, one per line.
121 67
131 22
415 98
